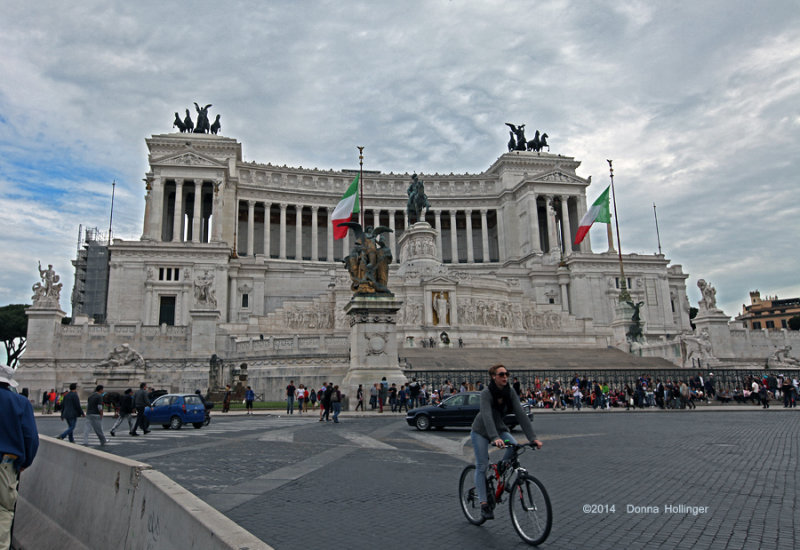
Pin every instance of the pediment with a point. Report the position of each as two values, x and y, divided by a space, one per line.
442 280
557 176
188 158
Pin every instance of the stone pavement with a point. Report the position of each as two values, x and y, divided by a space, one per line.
717 477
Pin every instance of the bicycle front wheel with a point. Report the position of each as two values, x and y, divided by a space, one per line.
468 496
531 513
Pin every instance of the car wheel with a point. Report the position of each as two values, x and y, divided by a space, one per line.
175 423
165 426
197 425
423 422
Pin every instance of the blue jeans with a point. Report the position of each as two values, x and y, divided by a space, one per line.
337 408
290 404
71 422
481 447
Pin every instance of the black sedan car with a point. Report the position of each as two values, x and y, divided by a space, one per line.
458 410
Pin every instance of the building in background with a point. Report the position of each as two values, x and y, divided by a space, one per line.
769 313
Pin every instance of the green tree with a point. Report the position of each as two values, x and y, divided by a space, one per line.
13 331
692 314
794 322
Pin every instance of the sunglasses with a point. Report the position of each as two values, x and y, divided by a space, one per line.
502 373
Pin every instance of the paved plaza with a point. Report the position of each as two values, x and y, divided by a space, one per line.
719 477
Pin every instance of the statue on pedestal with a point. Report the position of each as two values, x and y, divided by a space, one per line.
635 333
48 291
369 260
417 199
709 301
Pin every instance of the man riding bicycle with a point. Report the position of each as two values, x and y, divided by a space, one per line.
497 400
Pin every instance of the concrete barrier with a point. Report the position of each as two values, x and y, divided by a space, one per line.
74 497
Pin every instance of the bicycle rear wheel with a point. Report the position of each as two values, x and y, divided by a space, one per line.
468 496
531 513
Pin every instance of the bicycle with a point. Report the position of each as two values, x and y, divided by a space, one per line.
529 503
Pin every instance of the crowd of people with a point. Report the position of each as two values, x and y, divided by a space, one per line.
576 393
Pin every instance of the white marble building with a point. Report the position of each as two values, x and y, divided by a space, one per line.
248 269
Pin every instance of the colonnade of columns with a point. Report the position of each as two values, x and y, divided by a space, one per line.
556 209
373 217
167 216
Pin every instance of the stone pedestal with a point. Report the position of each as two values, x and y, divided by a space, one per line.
204 332
373 344
43 322
715 322
621 324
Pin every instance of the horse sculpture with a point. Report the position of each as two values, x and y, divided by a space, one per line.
538 142
417 199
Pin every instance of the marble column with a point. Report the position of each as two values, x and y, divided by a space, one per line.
453 238
154 209
314 234
566 233
197 214
177 219
298 232
376 218
470 252
552 234
533 209
437 220
283 231
251 224
485 235
502 253
330 235
393 236
215 234
267 228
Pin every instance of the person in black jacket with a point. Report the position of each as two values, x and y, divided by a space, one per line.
94 416
489 428
71 410
140 401
125 411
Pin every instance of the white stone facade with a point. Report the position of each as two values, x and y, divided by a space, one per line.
250 270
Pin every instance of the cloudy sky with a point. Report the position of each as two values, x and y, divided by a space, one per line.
697 102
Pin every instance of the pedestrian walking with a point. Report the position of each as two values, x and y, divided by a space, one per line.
140 401
71 410
226 401
19 441
336 403
125 412
94 416
300 394
360 397
249 397
290 389
326 403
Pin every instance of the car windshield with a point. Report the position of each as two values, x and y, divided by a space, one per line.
192 400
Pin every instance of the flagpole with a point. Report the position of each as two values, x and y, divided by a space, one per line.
658 235
111 216
361 181
623 288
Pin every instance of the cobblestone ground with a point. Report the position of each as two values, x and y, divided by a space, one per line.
698 479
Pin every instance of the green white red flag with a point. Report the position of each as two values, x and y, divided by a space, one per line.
347 210
598 212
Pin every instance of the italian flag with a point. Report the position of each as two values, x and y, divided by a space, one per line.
347 210
598 212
